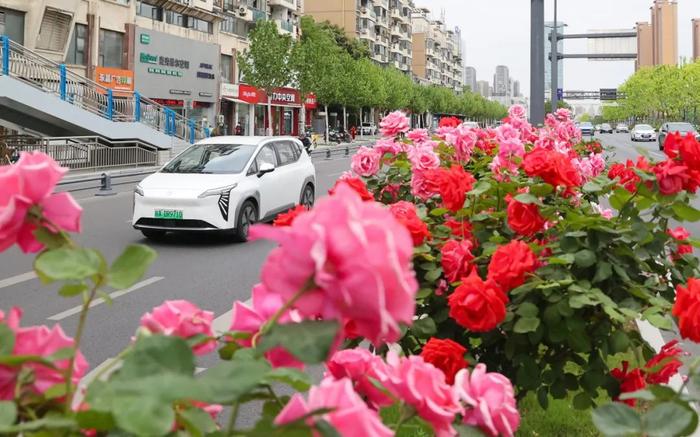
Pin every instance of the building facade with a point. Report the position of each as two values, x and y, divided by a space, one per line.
484 88
548 26
696 38
645 42
470 79
437 52
501 82
664 25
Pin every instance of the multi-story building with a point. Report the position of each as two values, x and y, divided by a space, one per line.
470 79
696 38
516 88
484 88
645 41
664 25
437 56
384 25
181 54
501 79
548 27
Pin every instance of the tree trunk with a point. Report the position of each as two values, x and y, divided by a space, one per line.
359 124
302 117
345 119
270 130
327 121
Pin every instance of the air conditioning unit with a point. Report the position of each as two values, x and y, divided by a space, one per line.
243 11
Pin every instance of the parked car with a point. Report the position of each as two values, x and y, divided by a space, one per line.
597 127
671 127
643 132
225 184
605 128
586 128
622 127
368 128
471 124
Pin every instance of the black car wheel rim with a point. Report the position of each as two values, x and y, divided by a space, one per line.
308 198
247 219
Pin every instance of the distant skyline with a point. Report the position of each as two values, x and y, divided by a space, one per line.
497 32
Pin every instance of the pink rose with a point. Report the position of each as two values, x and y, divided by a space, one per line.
422 386
358 257
605 212
360 366
43 342
506 132
463 139
679 233
423 158
490 402
517 112
511 147
366 161
28 183
182 319
349 415
563 114
388 145
418 136
423 185
394 124
250 320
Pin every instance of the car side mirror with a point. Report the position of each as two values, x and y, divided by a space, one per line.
265 167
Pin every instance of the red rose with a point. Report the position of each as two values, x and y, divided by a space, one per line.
462 229
449 122
356 184
552 167
672 144
692 182
511 263
454 184
286 218
662 366
406 214
524 219
689 149
629 381
687 309
456 258
446 355
671 177
477 305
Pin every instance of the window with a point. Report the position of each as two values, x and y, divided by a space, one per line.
76 49
12 24
266 156
174 18
53 34
111 48
212 158
286 153
226 67
234 25
149 11
200 25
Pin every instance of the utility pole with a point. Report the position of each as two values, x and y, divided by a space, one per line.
537 62
554 36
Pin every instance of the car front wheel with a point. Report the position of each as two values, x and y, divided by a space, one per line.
307 197
247 216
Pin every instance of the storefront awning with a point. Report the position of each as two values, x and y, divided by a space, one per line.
278 104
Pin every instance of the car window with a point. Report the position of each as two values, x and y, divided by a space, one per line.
266 155
644 127
211 158
285 151
680 127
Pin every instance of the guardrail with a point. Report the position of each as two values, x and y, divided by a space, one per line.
23 64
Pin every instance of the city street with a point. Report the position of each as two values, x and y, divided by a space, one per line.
210 271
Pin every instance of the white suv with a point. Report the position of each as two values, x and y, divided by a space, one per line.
225 184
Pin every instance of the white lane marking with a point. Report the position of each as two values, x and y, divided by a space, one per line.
652 335
223 322
334 174
113 295
84 200
17 279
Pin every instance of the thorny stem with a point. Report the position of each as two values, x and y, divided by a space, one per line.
232 419
78 337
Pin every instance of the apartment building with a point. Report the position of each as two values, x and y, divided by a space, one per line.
437 51
696 38
179 53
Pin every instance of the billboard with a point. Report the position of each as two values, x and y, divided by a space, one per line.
612 46
116 79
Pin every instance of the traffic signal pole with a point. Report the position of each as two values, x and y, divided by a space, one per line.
554 39
537 62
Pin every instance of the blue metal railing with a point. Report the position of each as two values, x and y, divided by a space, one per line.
23 64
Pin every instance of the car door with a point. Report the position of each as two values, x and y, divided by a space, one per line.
270 196
290 176
662 134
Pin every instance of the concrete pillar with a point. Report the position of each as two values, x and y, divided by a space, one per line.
536 62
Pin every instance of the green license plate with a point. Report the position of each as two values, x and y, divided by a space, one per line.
168 214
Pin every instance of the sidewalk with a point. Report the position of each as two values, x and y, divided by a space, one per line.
361 141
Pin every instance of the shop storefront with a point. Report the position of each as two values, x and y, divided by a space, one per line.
179 73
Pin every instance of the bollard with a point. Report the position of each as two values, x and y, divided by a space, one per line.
105 186
347 150
328 153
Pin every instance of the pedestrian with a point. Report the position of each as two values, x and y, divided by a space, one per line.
239 129
353 132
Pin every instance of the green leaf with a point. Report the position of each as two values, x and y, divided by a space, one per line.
592 187
93 419
468 431
543 397
585 258
667 419
7 340
130 266
67 264
197 421
620 198
424 328
50 239
70 290
143 416
660 321
686 212
582 401
294 378
326 429
603 272
527 198
617 419
439 212
618 341
8 413
230 380
526 324
527 309
309 341
480 188
567 258
158 354
45 423
541 190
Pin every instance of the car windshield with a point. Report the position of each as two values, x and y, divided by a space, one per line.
643 127
680 127
211 159
586 124
606 126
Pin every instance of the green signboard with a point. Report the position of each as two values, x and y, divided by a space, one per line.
145 38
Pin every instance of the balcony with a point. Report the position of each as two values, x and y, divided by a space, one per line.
382 20
368 13
188 8
285 27
258 14
289 4
366 34
396 31
384 4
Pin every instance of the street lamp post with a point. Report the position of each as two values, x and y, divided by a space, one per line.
537 62
554 39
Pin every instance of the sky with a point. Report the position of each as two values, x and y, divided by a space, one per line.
497 32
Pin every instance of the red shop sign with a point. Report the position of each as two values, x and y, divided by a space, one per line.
280 96
310 102
249 94
285 96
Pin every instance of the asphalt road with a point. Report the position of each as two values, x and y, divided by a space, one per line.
208 271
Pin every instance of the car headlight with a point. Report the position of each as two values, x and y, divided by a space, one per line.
138 190
217 191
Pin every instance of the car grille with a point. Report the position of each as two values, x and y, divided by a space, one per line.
170 223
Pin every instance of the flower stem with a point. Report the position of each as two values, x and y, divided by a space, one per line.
406 415
76 345
287 305
232 419
274 395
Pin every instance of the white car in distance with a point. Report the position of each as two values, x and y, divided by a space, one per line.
225 184
643 132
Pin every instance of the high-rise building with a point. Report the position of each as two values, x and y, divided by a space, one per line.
696 38
484 88
548 63
645 42
501 81
516 88
437 56
384 25
664 25
470 79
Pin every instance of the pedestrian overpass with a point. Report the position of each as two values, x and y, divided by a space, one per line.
45 97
